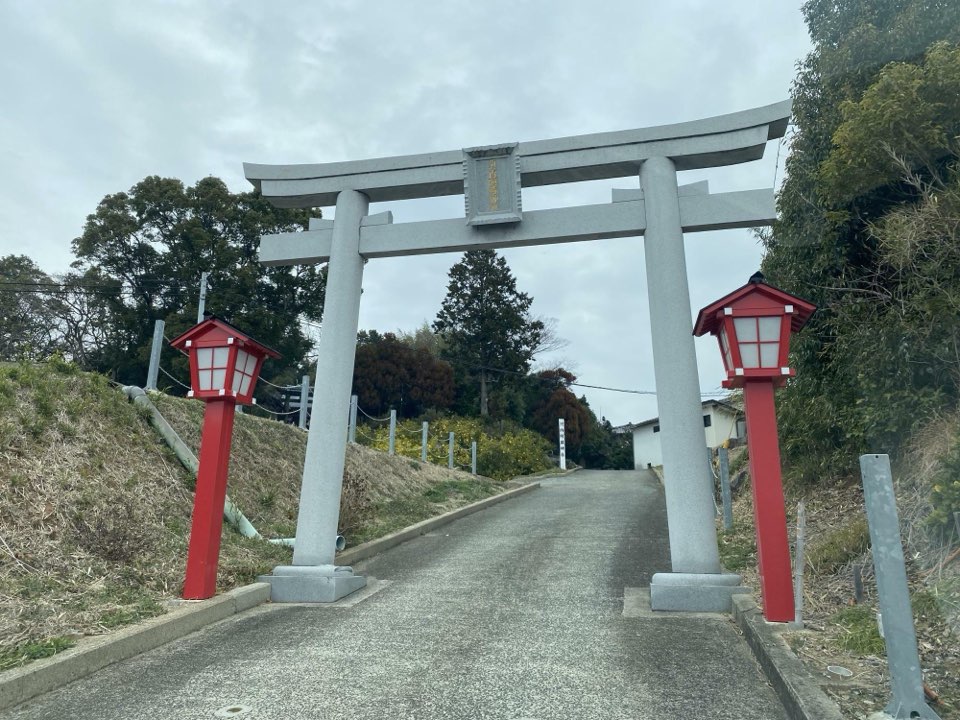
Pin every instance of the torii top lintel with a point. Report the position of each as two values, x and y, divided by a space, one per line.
711 142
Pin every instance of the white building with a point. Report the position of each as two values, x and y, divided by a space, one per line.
721 422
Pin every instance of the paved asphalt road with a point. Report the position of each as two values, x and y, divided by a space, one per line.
514 613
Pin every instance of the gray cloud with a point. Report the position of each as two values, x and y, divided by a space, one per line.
95 96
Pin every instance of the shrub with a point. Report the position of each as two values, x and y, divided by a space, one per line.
500 455
840 547
945 491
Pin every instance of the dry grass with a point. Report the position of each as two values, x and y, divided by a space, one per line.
840 632
95 509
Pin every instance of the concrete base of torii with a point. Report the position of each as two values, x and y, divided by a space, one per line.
694 592
312 583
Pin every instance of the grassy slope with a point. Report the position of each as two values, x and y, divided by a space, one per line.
95 510
840 632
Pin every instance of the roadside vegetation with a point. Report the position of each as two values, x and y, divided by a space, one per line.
869 230
95 509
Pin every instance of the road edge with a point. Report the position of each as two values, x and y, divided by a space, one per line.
801 695
42 676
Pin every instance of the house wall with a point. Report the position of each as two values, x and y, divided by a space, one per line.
723 426
646 447
646 442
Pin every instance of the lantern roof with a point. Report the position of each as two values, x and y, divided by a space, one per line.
755 294
218 329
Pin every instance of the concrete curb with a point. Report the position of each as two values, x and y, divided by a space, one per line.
41 676
797 689
375 547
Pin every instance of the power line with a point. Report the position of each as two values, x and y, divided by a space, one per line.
563 382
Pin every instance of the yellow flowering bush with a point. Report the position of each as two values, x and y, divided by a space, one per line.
501 455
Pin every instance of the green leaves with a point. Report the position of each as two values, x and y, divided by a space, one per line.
868 230
908 121
155 240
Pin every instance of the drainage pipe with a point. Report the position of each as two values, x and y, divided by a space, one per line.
186 457
339 544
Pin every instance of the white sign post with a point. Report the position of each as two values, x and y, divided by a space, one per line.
563 447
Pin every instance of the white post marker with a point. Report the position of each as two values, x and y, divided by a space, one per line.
798 562
473 457
392 445
563 446
450 452
155 349
424 434
304 401
352 433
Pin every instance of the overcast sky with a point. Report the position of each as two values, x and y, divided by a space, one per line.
94 96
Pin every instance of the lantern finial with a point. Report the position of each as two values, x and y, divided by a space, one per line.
757 277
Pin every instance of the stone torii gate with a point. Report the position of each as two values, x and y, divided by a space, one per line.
491 178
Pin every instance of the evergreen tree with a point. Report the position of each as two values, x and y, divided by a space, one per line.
389 373
152 244
485 323
872 161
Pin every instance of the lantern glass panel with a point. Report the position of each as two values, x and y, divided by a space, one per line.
725 344
769 355
770 328
204 359
243 374
206 379
749 355
220 357
746 328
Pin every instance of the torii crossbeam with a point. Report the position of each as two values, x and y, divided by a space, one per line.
491 178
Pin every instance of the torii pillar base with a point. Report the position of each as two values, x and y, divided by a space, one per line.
694 592
312 583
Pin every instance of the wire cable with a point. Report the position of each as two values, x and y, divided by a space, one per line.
160 367
371 417
279 387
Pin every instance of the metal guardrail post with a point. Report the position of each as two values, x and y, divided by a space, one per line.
154 368
393 432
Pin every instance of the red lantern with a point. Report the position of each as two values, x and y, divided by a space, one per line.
753 325
224 362
224 367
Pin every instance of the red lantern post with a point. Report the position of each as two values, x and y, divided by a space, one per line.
753 325
224 367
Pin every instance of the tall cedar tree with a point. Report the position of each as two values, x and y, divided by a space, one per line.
485 321
875 134
154 242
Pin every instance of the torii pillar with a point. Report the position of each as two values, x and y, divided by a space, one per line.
314 577
696 583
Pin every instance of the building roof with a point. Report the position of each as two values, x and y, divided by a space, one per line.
629 427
